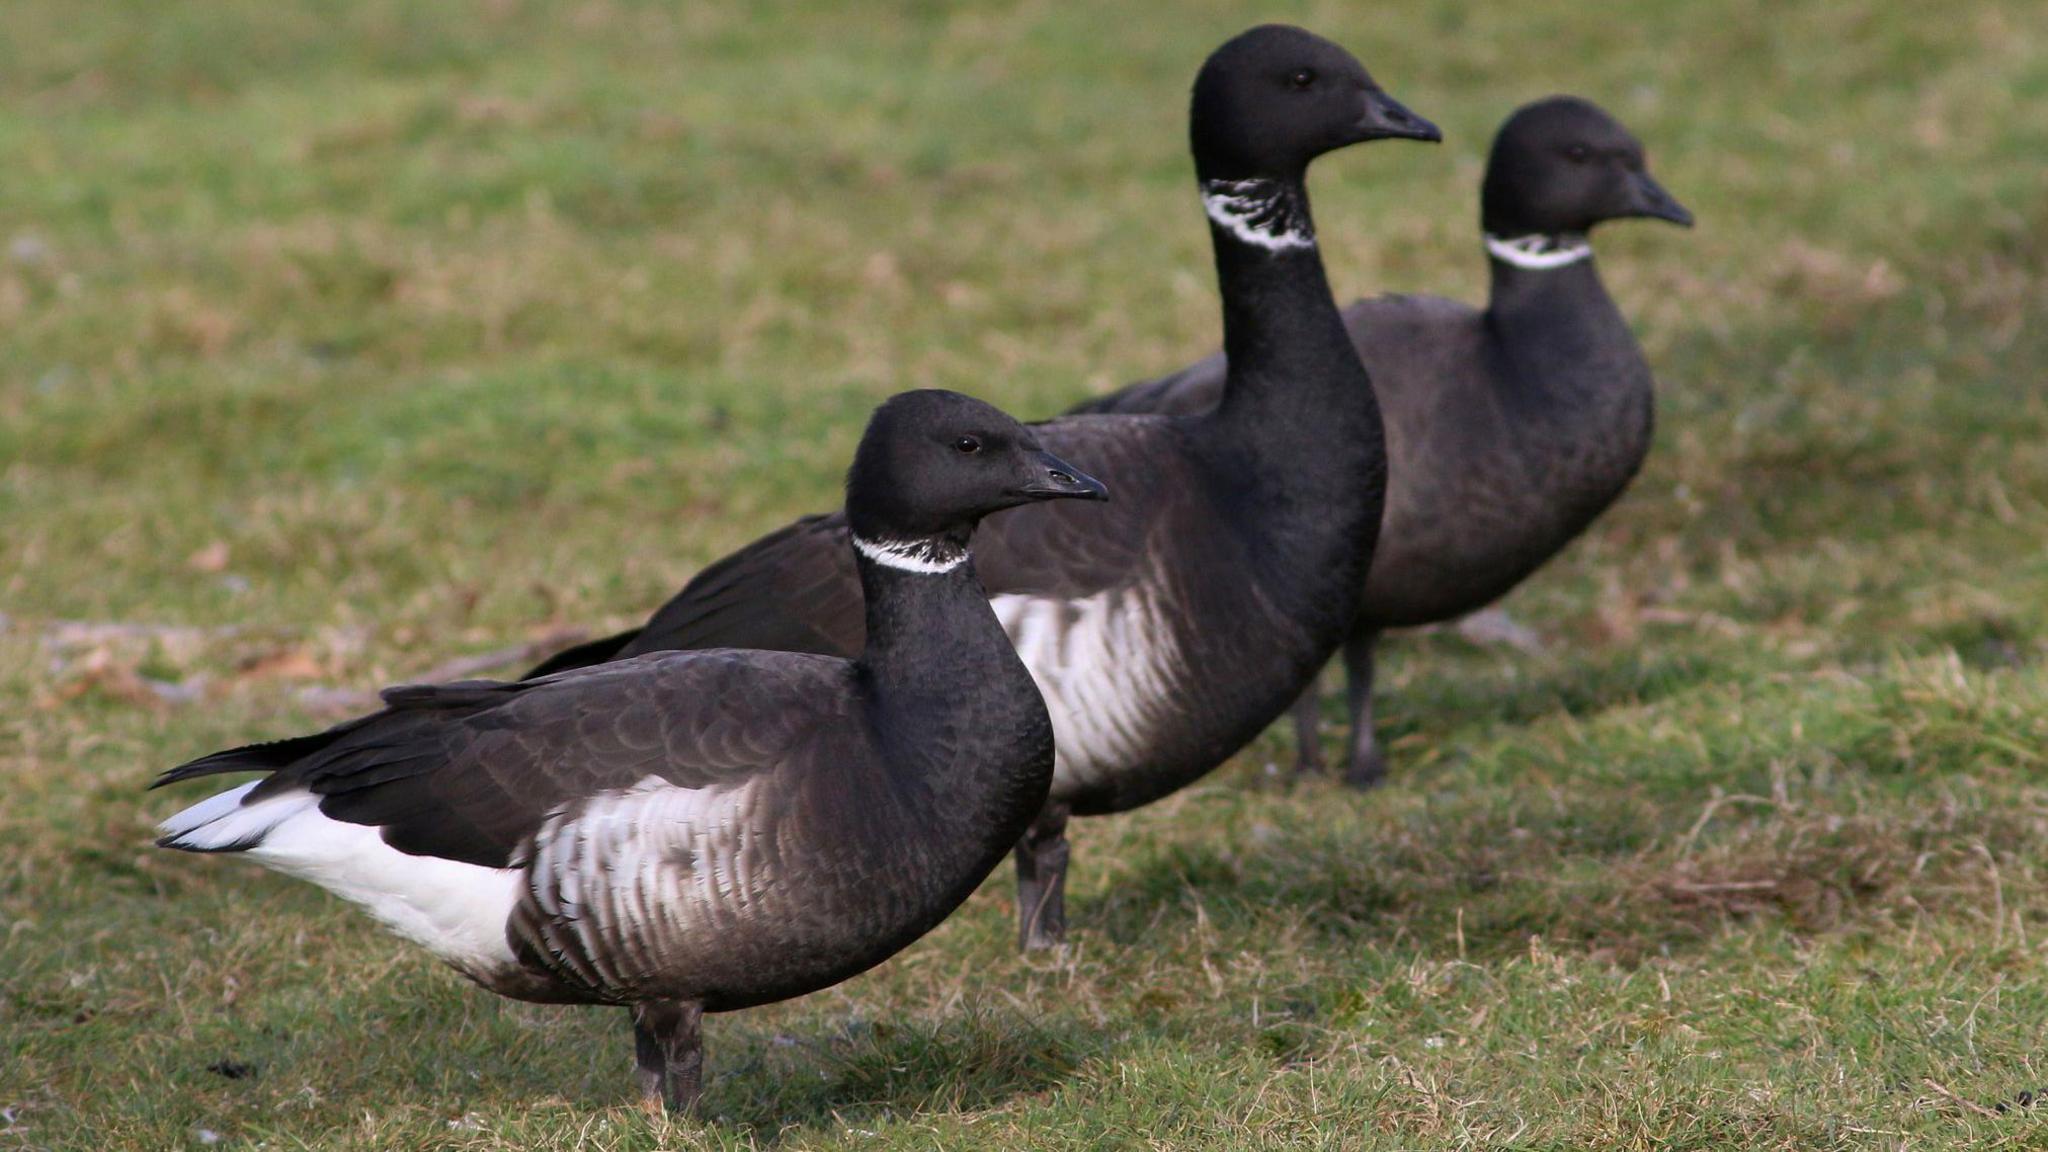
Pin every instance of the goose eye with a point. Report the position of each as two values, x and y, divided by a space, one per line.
967 444
1577 153
1303 78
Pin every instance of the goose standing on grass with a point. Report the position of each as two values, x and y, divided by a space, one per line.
697 831
1508 430
1168 629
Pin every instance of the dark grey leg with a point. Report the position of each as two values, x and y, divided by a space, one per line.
1308 741
1368 767
1042 881
668 1047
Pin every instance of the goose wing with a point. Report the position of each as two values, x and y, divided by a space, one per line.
471 771
1068 550
798 590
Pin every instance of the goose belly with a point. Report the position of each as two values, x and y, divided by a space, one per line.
1106 666
726 895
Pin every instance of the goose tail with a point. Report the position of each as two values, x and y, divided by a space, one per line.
235 820
229 821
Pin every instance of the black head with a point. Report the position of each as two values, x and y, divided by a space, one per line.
1274 98
932 463
1563 165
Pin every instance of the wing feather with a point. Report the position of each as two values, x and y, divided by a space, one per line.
798 590
470 772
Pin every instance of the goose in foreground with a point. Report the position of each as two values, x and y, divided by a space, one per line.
1166 630
696 832
1508 430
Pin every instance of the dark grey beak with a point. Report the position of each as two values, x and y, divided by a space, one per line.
1055 479
1648 198
1388 119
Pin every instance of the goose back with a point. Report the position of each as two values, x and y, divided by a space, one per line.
1507 432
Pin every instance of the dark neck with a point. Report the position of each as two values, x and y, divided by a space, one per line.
927 615
943 679
1297 439
930 630
1567 338
1543 280
961 734
1541 273
1281 331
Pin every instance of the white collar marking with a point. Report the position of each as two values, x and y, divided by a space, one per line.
925 557
1538 251
1252 210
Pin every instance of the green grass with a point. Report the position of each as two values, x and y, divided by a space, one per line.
336 341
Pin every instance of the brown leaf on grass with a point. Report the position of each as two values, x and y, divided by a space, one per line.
212 558
178 642
180 321
103 672
1493 627
283 664
1617 617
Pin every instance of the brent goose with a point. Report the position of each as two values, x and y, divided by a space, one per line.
1508 430
1168 629
696 832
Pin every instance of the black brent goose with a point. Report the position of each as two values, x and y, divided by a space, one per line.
1169 628
695 832
1508 430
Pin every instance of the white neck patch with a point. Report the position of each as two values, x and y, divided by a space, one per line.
1538 251
1263 213
927 557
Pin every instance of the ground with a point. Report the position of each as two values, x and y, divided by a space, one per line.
340 341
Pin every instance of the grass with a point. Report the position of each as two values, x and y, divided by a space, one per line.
335 342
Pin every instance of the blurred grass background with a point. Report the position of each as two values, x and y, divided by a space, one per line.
336 341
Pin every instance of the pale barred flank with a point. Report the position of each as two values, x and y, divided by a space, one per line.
1104 664
625 890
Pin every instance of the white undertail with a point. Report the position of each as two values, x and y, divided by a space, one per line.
456 911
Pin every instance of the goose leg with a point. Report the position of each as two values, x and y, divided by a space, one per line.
668 1049
1368 766
1042 881
1308 743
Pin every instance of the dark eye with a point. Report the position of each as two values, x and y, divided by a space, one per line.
1303 78
967 444
1578 153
